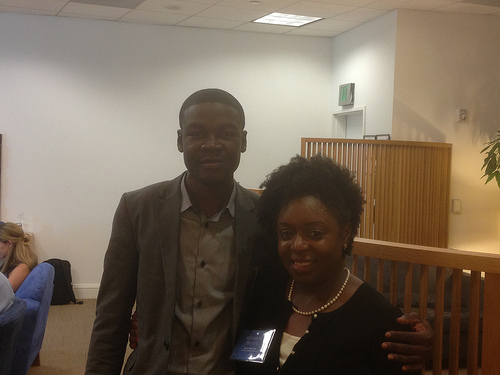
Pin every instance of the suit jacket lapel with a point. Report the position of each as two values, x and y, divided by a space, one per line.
167 213
245 230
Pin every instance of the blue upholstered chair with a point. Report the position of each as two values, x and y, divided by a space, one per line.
36 290
11 321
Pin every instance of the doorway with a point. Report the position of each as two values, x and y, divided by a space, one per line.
350 123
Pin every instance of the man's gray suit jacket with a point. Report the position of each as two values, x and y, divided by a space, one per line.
140 265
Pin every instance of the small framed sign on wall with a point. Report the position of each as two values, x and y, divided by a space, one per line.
346 94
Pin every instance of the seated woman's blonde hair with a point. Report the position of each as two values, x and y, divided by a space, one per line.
21 250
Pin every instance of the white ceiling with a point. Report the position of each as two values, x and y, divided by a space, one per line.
338 15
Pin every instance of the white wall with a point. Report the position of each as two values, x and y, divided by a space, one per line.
445 62
366 56
88 110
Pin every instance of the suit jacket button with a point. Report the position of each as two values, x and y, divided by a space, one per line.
166 344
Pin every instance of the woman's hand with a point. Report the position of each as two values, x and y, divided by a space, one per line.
412 349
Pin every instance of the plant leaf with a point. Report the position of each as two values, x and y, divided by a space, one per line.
495 148
484 149
491 167
490 177
486 161
491 163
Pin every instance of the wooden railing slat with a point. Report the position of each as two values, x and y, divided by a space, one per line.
367 269
380 276
438 322
456 309
424 285
355 265
394 282
408 287
473 331
491 326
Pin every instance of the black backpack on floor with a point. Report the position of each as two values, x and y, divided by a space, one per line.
63 288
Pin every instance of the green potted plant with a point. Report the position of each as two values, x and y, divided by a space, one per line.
491 164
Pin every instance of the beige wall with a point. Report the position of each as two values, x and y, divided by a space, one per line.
445 62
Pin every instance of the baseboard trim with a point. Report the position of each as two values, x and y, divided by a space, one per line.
86 291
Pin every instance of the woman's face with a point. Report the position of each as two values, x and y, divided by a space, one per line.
4 248
310 241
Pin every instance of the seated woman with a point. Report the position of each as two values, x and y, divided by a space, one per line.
327 321
17 254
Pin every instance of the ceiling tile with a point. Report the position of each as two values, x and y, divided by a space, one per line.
5 9
361 15
93 11
263 28
173 6
387 4
129 4
227 13
315 9
50 5
148 17
351 3
426 4
212 2
336 25
469 8
210 23
493 3
268 6
312 32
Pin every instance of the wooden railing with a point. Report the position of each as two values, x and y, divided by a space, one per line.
406 186
423 258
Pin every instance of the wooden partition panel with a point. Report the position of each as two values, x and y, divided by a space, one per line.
406 186
480 267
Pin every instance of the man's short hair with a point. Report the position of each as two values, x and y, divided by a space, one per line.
212 96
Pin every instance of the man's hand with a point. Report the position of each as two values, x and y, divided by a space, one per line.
134 335
413 349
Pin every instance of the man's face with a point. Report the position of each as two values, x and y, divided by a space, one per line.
212 139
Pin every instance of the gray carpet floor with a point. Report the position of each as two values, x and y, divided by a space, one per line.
66 341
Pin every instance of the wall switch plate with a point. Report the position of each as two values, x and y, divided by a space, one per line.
456 206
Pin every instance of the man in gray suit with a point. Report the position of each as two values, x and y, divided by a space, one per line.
183 250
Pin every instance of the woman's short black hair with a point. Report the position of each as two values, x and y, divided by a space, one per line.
319 177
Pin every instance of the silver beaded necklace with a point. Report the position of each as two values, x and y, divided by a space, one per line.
325 306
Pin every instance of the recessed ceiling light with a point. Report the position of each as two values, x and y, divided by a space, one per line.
286 19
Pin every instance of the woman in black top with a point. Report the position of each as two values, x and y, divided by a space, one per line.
326 320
